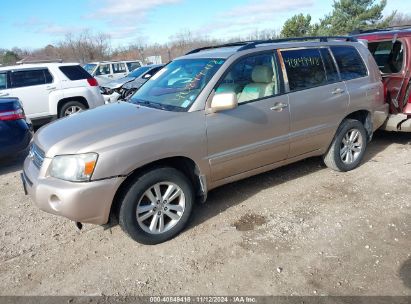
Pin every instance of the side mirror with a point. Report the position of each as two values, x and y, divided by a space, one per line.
224 101
147 76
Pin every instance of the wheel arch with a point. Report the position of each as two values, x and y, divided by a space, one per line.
365 117
181 163
63 101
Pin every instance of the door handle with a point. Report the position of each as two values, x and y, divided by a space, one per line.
279 106
337 91
4 94
50 88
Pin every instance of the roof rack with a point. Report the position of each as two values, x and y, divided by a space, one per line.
24 61
385 29
245 45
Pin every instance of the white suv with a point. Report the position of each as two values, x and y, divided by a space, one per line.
106 71
50 90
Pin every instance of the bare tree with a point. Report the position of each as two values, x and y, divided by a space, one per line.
401 19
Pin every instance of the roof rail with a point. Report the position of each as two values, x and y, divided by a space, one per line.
245 45
23 61
388 28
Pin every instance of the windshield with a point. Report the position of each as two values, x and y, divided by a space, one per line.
177 85
89 67
139 71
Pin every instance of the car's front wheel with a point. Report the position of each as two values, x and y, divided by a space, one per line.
348 147
157 206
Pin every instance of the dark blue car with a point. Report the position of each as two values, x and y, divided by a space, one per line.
16 130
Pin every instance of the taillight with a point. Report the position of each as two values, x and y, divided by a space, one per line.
92 82
12 115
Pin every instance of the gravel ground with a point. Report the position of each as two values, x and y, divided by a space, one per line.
298 230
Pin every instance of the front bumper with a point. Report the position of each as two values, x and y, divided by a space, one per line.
111 98
87 202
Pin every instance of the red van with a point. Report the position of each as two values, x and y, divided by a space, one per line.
391 48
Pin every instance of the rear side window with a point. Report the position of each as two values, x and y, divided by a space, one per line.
3 81
349 62
389 56
304 68
329 65
29 78
119 68
74 72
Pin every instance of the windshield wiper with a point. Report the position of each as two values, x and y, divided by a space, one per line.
157 105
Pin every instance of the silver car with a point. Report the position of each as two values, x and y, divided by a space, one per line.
211 117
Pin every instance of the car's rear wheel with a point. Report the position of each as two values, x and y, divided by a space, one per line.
157 206
348 147
70 108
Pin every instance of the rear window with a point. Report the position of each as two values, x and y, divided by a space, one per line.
305 68
74 72
28 78
349 62
389 56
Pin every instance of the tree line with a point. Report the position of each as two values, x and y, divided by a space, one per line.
346 16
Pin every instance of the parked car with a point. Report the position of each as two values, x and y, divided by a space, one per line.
249 107
391 49
50 90
124 87
106 71
15 129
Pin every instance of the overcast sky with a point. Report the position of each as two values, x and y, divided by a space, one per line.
36 23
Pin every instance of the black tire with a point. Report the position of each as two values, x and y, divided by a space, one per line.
333 159
68 105
128 209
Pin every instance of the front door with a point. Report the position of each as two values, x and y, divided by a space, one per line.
255 133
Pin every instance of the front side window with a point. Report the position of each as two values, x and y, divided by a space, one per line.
252 78
389 56
349 62
119 68
304 68
177 85
103 69
3 81
27 78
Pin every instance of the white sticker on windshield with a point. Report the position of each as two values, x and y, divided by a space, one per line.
185 103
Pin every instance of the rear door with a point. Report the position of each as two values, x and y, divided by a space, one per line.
254 134
32 87
318 98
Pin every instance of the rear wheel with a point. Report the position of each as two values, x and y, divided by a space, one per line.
157 206
70 108
348 147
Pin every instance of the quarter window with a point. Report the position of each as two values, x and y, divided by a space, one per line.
27 78
389 56
349 62
304 68
252 78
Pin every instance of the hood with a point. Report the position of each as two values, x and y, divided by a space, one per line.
135 84
103 128
117 83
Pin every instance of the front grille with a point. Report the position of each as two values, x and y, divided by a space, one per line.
38 155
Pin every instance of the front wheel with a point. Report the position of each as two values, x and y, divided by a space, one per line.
348 147
156 206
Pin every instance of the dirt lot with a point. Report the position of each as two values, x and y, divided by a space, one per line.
299 230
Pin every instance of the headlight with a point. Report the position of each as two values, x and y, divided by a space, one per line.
75 168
